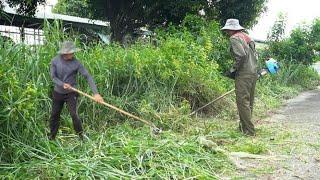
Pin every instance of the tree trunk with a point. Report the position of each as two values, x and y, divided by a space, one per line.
118 31
121 24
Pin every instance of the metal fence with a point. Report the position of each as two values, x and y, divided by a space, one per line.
23 35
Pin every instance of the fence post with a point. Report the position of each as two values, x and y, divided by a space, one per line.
22 34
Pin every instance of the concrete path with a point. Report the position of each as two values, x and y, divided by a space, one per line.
298 157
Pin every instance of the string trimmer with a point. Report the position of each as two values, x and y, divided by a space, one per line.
155 129
272 68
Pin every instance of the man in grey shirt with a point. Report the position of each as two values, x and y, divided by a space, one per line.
64 70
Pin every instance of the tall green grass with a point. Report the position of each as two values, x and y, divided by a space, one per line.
161 83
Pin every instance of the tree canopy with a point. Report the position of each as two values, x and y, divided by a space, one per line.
27 7
78 8
247 11
125 16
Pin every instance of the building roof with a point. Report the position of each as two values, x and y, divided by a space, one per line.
11 17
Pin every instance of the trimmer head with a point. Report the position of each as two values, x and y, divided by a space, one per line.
156 131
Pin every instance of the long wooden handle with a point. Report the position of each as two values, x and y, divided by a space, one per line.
215 100
115 108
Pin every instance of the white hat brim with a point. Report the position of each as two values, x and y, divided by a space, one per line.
69 52
233 28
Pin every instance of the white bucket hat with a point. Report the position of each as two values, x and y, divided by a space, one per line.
68 47
232 24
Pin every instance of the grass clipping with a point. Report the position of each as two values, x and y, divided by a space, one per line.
234 157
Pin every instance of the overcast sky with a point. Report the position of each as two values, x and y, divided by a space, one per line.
298 11
52 2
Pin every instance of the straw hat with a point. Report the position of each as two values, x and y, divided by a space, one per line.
68 47
232 24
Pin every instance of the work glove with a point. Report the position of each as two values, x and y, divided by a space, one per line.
231 73
262 72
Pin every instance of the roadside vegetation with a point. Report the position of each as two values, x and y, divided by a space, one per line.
178 71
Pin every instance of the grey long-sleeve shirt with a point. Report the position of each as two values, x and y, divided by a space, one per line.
65 71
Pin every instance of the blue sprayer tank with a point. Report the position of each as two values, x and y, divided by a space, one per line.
272 66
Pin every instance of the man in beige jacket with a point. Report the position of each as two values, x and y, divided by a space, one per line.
244 71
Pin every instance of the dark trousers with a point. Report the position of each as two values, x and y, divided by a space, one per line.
58 101
245 88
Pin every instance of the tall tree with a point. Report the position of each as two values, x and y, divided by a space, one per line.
278 28
27 7
78 8
315 35
247 11
125 16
